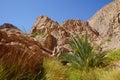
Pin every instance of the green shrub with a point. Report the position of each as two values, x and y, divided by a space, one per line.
84 55
114 55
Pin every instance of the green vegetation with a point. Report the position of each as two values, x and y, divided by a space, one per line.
84 64
84 56
13 73
38 35
108 40
54 70
114 55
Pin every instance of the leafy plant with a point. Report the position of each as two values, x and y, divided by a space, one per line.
84 55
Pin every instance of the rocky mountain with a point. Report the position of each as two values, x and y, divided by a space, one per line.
103 27
55 37
107 22
48 38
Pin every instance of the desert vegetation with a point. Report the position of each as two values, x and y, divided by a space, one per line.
86 63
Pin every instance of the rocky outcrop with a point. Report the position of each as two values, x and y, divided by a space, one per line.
42 32
47 37
103 28
78 27
107 22
18 48
44 25
55 37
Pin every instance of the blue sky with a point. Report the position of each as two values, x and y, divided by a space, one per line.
23 13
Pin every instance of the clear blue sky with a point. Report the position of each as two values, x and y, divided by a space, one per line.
23 13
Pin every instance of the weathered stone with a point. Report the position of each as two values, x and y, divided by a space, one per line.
56 36
107 22
43 24
50 42
78 27
18 48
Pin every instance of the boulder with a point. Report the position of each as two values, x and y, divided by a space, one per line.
107 22
17 48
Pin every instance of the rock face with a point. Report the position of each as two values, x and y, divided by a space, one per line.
103 27
47 37
18 48
79 27
41 31
107 22
55 37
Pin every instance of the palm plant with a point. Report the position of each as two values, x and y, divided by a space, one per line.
84 55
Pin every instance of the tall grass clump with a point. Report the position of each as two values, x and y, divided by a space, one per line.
54 70
15 67
13 73
100 74
84 55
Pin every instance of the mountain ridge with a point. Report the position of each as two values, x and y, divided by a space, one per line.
49 38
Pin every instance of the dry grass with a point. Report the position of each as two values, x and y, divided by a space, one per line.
54 70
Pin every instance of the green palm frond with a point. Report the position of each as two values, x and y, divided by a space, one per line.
84 55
